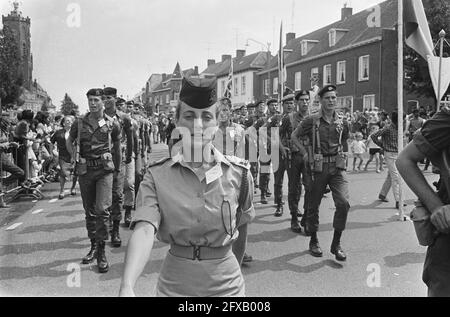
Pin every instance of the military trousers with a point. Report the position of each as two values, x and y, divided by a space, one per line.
337 180
96 193
129 183
264 177
278 180
117 193
138 173
297 176
254 168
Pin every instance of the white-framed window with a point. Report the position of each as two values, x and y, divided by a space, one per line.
364 68
304 47
168 98
298 81
222 87
266 89
176 96
332 37
345 103
236 86
369 102
275 86
243 85
341 72
327 74
314 71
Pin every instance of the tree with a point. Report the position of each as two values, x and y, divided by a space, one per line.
417 74
10 78
67 106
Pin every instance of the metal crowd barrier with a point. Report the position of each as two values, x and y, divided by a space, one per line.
30 188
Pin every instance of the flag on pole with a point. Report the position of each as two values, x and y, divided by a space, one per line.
229 87
417 31
281 67
433 65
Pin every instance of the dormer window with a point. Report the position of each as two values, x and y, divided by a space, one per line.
332 37
306 46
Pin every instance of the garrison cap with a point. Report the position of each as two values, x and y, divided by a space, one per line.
129 102
98 92
326 89
198 93
258 103
251 105
301 93
120 100
271 101
110 91
288 97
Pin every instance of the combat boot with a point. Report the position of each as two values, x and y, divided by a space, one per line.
263 198
102 263
127 216
295 227
279 211
115 237
92 253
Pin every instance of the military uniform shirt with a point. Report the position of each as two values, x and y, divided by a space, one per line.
329 133
187 211
95 139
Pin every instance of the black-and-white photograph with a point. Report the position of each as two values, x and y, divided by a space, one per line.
225 149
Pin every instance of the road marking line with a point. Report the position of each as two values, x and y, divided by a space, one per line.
14 226
53 200
37 211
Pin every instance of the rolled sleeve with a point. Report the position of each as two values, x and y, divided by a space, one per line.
147 206
248 210
434 137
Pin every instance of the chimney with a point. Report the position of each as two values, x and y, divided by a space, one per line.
225 57
289 37
240 54
346 12
195 71
164 76
211 62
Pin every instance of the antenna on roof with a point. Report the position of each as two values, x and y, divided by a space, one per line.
293 15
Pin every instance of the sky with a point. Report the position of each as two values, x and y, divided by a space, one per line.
78 45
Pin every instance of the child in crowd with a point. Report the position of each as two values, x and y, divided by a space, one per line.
374 150
358 148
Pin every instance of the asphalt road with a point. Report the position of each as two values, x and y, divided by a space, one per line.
42 243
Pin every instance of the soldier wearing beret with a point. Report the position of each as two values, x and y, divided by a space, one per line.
296 165
326 133
205 222
99 157
123 181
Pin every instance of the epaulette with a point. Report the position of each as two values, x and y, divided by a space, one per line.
238 161
160 162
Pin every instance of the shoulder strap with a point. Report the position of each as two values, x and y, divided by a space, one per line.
78 154
316 125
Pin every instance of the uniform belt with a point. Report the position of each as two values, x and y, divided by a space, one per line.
94 163
198 252
329 159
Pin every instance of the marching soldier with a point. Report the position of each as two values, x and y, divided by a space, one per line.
99 158
327 134
284 155
205 222
121 180
296 168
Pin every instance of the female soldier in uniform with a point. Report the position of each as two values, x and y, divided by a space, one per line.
192 205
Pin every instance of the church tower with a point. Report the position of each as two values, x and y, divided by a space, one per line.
20 27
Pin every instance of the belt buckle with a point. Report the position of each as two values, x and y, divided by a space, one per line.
196 253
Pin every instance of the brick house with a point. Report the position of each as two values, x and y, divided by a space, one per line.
357 57
245 68
167 93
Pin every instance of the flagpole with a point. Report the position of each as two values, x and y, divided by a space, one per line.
441 53
400 97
